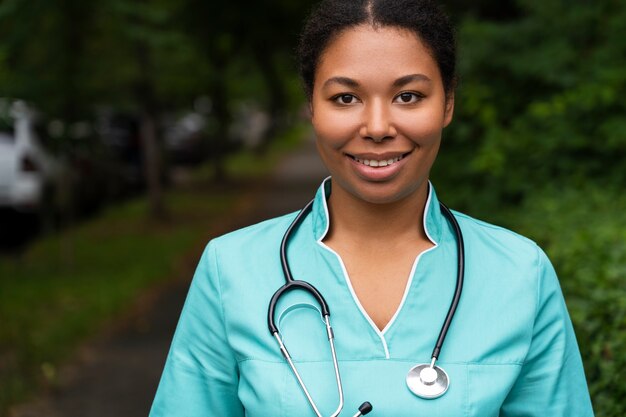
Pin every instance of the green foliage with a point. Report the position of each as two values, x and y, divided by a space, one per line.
41 52
69 57
541 97
138 43
66 286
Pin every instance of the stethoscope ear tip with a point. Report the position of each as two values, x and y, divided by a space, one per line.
365 408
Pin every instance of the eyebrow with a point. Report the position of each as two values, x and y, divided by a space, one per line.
348 82
407 79
400 82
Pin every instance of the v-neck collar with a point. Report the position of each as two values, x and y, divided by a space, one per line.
432 220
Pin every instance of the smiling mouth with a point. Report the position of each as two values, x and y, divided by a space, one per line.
378 162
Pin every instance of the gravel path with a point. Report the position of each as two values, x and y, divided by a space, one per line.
117 374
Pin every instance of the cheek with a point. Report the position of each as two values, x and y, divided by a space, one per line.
424 128
334 129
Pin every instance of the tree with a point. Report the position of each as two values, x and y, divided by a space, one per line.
263 36
541 94
43 54
138 56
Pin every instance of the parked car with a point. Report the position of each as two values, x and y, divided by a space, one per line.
185 138
119 135
28 172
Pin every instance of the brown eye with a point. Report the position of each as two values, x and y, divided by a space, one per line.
408 98
345 99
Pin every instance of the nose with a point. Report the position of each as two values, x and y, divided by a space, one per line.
377 124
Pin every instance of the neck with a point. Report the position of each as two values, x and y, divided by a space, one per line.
360 221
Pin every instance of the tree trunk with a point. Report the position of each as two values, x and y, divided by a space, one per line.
220 143
148 133
152 165
278 97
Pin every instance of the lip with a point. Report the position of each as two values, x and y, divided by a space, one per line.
378 174
379 156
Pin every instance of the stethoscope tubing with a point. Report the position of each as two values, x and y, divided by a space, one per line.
459 280
291 284
283 244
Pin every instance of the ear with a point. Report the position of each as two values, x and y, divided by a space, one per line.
449 110
310 109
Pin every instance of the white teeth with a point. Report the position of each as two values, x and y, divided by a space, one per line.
375 163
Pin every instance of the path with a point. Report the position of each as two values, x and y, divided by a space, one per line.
117 375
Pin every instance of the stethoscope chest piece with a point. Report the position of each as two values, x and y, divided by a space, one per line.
427 381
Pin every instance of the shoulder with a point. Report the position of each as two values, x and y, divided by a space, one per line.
503 262
231 264
491 232
492 242
257 237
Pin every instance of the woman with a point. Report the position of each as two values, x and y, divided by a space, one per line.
379 76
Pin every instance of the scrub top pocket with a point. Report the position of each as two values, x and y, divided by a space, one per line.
382 383
262 387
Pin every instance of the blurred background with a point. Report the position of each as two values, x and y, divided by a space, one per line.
132 131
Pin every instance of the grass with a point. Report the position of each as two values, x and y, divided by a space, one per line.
66 286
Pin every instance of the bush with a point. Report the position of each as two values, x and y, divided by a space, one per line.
540 97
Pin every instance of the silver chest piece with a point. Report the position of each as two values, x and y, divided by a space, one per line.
427 381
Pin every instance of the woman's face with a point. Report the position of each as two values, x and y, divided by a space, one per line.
378 109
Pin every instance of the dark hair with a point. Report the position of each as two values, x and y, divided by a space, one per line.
422 17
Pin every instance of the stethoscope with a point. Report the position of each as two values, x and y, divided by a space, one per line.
425 380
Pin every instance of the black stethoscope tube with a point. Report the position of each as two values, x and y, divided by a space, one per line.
459 279
283 244
291 284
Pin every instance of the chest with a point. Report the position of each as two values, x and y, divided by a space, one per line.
379 278
374 363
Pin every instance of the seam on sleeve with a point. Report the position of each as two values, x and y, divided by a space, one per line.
539 275
219 293
178 361
537 296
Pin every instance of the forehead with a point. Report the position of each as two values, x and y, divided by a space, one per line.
364 51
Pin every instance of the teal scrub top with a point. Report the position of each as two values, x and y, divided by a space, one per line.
510 351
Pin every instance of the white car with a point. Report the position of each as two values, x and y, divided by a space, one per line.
27 171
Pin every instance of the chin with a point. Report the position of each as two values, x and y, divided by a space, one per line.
384 193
